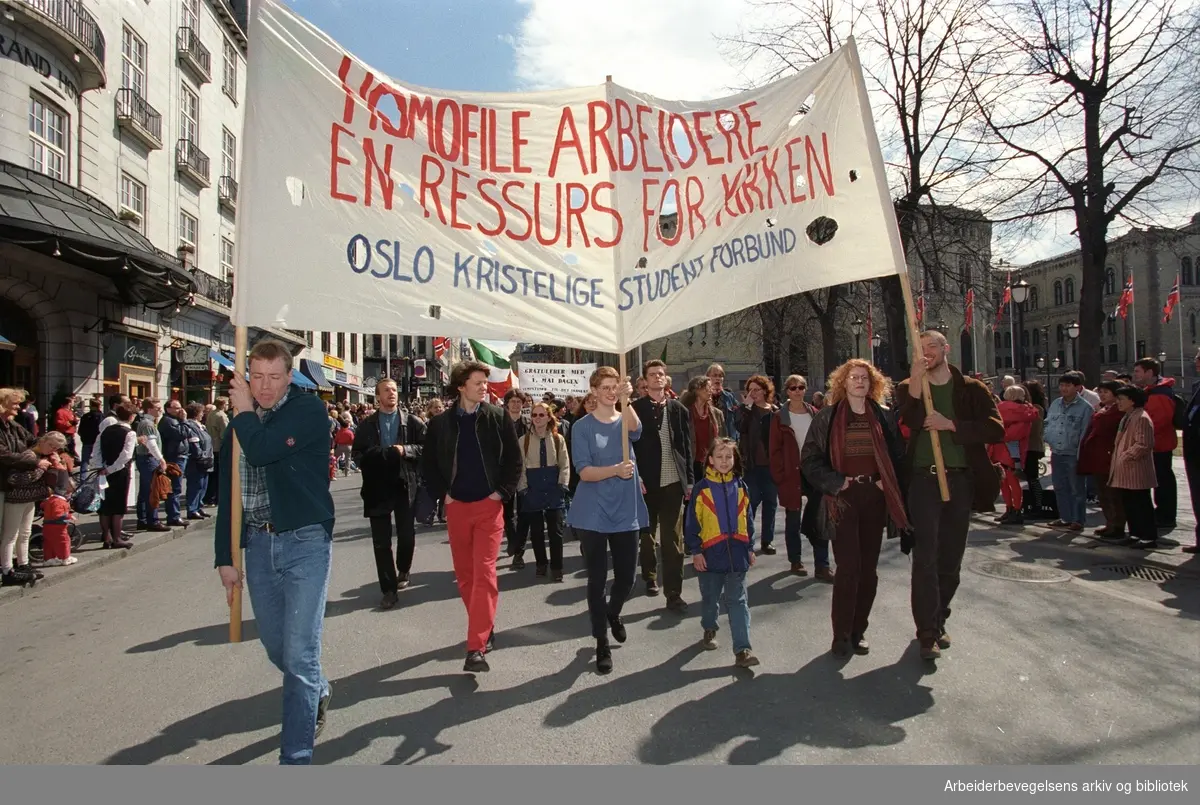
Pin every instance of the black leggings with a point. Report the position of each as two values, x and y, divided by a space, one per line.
624 547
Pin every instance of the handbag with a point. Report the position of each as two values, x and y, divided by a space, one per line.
87 498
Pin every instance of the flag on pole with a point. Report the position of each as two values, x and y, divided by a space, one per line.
920 305
1004 300
1172 301
485 355
663 356
441 345
969 319
1126 298
870 325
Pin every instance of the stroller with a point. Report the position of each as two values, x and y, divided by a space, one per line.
35 538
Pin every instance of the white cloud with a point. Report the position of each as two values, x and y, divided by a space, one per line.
665 47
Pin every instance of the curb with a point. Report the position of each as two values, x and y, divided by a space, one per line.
149 541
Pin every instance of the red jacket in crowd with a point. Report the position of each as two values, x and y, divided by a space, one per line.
1160 405
1096 447
1018 422
65 421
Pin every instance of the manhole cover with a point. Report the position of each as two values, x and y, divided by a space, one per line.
1011 571
1139 572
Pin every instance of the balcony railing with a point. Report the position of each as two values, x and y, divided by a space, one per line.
213 289
71 20
191 162
193 54
227 192
139 118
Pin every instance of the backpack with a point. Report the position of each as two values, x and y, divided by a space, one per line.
1180 420
205 459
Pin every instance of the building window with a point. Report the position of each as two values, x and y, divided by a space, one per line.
227 259
1025 338
1070 290
187 233
1111 324
133 198
377 346
1033 300
1037 338
353 347
1058 292
421 345
189 114
229 85
1112 353
999 342
341 342
1185 270
191 15
325 342
1110 283
48 127
133 62
228 154
1192 325
1008 340
1060 334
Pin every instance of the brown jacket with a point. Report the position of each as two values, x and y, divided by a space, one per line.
977 424
1133 454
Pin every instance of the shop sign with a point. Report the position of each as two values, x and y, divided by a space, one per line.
334 363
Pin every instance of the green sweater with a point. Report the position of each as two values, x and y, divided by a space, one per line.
294 447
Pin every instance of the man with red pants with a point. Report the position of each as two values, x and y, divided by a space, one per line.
473 461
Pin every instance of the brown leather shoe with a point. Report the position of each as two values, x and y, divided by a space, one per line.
389 600
943 639
798 569
841 647
824 574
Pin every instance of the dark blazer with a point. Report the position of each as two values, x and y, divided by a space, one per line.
388 478
978 424
501 453
649 450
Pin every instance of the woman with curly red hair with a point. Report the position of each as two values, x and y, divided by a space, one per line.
851 456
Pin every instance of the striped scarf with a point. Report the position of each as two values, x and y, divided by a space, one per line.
883 460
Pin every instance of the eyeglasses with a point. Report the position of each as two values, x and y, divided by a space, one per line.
540 416
797 388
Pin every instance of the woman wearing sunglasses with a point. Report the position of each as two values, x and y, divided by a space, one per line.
541 492
789 427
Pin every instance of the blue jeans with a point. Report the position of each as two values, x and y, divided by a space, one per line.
762 489
197 485
794 526
176 495
288 576
737 607
146 465
1068 488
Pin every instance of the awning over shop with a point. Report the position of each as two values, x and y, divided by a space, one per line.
6 345
303 382
349 386
314 372
60 221
221 360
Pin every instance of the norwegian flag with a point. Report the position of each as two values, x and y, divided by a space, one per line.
1172 301
870 324
969 320
920 305
440 346
1126 298
1004 300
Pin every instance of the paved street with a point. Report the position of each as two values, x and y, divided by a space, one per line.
128 663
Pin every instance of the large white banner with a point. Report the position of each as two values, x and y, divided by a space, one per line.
563 379
597 218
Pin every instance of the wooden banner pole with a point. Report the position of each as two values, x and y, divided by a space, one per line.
240 345
926 395
621 359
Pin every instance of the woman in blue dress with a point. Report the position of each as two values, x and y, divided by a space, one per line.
607 511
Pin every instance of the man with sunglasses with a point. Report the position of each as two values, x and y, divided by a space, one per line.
665 466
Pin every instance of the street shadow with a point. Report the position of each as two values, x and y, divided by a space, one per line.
816 706
425 587
261 711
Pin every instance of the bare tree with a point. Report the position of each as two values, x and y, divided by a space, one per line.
913 52
1095 103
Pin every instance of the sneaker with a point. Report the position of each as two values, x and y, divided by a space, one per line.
402 581
745 659
769 550
52 563
651 588
676 604
930 650
476 663
860 644
70 560
323 712
709 641
824 574
28 570
604 662
943 639
618 629
1056 524
798 569
558 577
1073 527
490 645
1145 544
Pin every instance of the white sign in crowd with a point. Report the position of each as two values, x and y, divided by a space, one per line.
561 379
536 217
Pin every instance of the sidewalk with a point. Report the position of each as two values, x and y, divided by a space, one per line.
92 555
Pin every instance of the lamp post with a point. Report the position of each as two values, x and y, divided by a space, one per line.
876 340
856 327
1073 333
1042 364
1020 293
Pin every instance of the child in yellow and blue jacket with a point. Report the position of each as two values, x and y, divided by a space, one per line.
717 536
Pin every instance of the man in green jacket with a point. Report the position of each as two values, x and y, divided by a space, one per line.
287 533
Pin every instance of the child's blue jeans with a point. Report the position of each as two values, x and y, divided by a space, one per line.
736 605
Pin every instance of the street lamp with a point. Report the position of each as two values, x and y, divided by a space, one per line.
1162 363
1073 333
876 340
856 327
1042 364
1020 293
